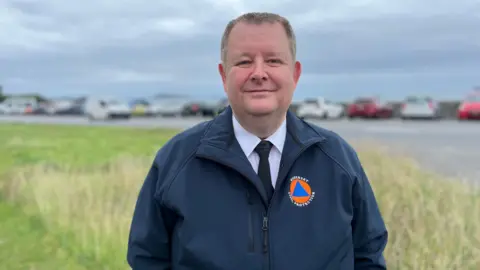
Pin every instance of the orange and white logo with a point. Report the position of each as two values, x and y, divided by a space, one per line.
300 192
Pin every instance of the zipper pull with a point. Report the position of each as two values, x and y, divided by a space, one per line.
265 235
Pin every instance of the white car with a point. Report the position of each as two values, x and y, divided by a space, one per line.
3 109
98 108
319 108
420 108
19 105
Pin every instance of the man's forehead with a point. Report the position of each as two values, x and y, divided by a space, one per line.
248 39
253 36
251 27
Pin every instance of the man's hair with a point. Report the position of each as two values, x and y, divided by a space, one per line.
259 18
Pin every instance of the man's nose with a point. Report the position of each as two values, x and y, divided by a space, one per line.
259 73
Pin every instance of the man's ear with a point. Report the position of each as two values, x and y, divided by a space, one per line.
223 73
297 71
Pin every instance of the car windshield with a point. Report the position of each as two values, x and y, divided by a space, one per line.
364 101
417 100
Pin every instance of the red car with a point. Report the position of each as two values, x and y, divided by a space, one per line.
470 107
369 108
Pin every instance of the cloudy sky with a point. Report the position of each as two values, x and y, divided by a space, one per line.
142 47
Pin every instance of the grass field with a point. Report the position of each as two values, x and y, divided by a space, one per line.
67 195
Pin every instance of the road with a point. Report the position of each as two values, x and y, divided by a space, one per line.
447 147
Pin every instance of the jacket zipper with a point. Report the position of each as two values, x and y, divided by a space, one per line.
265 234
265 224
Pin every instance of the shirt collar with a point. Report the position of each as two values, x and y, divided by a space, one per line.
249 141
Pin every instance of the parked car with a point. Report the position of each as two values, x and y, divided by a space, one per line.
103 108
201 108
420 108
3 109
167 106
470 107
19 105
319 108
140 107
370 108
67 106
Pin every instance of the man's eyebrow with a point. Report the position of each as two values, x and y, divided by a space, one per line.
238 55
275 54
268 54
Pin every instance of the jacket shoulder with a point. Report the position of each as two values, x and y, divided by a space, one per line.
339 150
175 154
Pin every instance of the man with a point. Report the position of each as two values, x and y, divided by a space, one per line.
256 187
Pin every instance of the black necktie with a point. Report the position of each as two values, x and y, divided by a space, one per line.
263 150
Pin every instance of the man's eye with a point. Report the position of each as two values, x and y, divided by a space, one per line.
275 61
244 62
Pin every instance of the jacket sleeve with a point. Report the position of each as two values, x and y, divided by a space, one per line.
149 237
369 230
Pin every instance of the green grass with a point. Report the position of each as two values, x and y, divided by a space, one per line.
61 216
30 242
25 244
28 144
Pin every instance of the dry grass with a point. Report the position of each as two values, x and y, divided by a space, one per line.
433 224
92 209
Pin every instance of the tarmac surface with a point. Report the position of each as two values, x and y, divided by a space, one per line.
448 147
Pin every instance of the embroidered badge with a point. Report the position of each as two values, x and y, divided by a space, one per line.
300 192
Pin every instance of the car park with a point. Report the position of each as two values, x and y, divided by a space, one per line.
470 107
369 108
411 107
419 108
319 108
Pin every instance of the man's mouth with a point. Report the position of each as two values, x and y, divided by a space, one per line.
259 91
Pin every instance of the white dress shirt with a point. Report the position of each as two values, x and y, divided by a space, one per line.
248 142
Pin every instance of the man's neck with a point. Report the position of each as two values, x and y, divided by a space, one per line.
261 126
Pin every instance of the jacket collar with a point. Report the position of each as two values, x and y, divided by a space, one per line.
220 145
249 141
221 133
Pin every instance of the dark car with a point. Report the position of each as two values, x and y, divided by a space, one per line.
200 108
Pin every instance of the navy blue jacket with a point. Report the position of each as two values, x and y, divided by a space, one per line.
202 206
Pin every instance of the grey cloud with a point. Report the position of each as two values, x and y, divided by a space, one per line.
342 45
394 43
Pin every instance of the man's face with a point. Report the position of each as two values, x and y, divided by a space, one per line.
259 74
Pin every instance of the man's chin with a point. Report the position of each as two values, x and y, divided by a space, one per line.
261 112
